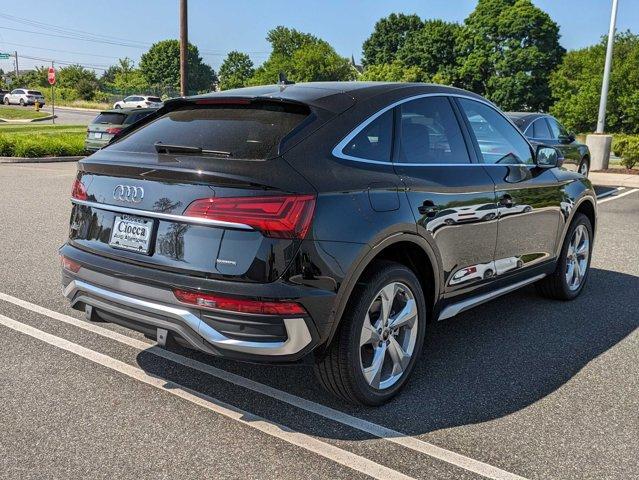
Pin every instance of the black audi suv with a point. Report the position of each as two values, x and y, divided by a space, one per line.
541 128
323 222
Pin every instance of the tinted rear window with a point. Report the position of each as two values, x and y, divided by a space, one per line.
112 118
34 92
154 99
245 131
134 117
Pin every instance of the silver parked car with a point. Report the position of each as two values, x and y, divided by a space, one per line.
24 97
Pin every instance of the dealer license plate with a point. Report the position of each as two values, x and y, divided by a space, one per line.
132 233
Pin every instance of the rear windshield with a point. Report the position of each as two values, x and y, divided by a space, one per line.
134 117
154 99
34 92
110 118
244 131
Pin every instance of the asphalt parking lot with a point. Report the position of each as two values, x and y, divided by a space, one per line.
521 387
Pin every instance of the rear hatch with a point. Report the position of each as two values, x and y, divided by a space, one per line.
200 188
105 126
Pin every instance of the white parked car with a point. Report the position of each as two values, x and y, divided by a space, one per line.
24 97
139 101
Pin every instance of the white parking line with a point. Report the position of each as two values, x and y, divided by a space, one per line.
371 428
326 450
610 199
610 192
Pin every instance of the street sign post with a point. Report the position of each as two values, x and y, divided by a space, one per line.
51 79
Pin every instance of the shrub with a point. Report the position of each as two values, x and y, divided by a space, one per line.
630 155
626 147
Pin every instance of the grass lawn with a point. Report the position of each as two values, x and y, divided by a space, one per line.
34 140
22 113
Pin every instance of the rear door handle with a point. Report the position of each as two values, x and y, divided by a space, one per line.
506 201
428 208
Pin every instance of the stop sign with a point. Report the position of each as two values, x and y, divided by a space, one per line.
51 76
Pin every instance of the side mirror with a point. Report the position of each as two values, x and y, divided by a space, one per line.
548 157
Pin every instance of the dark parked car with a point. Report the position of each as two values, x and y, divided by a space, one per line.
110 123
541 128
283 223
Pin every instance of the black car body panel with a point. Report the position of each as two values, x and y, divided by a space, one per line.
466 226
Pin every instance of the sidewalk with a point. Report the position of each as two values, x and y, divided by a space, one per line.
614 179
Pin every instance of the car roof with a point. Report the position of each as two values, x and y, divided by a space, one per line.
128 110
333 96
523 119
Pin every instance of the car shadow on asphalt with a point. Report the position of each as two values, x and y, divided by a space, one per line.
497 359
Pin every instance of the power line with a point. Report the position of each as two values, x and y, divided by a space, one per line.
58 50
67 30
66 62
73 38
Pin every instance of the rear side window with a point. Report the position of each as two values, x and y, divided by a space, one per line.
110 118
499 141
251 131
430 133
374 141
540 129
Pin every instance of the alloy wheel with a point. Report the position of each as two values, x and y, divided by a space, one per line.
388 336
583 168
577 257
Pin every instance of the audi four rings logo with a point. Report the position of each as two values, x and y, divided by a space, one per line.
128 193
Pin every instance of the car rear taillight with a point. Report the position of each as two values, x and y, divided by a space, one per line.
240 305
79 191
69 264
277 216
114 130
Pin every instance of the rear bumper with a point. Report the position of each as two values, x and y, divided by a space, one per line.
148 307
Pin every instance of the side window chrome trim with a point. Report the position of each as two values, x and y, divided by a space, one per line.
338 149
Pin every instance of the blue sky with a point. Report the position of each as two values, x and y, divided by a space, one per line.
219 26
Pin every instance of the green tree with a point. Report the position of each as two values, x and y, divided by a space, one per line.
507 50
80 79
388 37
432 48
235 71
36 78
302 58
393 72
161 67
285 41
576 86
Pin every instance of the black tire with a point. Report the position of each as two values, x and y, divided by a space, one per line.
339 370
556 286
118 106
6 101
584 166
21 102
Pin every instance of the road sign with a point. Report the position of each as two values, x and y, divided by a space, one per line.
4 56
51 76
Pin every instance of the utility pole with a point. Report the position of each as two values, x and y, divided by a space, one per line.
184 45
599 143
17 69
601 120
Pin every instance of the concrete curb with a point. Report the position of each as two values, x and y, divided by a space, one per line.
39 160
614 179
28 120
97 110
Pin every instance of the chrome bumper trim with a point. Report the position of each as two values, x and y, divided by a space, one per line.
161 216
298 335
